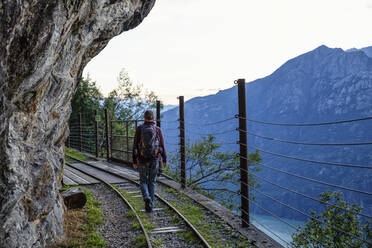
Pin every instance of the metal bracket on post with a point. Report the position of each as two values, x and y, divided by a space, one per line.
182 141
244 190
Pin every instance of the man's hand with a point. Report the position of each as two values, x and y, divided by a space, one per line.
135 166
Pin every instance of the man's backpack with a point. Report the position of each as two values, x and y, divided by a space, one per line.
149 143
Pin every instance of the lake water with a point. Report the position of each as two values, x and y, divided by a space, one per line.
264 222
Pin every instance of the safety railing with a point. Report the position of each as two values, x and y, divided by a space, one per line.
245 184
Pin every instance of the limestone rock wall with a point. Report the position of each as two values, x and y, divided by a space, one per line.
44 46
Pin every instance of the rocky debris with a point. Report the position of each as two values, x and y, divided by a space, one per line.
117 228
222 232
45 45
74 198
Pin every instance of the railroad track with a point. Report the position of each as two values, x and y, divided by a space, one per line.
160 223
122 198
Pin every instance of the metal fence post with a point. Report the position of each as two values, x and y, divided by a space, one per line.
107 135
96 131
158 104
80 133
182 141
244 190
128 150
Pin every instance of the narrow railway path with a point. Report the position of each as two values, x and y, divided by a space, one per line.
167 226
158 227
118 193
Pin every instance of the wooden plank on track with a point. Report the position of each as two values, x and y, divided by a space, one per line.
82 175
75 177
101 174
68 181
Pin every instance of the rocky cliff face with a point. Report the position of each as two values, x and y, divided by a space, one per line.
320 86
44 47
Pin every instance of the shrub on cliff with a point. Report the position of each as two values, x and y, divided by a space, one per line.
334 227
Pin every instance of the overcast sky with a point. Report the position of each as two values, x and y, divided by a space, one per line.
196 47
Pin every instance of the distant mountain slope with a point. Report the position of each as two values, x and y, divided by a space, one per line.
322 85
366 50
168 107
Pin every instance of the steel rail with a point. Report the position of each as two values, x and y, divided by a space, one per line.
197 233
119 194
206 208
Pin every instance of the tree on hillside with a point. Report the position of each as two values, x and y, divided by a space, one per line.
334 227
212 171
86 98
129 101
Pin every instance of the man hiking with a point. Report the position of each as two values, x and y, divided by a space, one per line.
148 146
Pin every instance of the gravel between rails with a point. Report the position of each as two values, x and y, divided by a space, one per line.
116 229
223 235
165 219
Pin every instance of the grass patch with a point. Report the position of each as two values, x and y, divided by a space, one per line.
131 214
140 241
210 231
189 237
65 187
157 242
80 226
75 154
137 204
136 225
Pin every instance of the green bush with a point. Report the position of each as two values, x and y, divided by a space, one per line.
334 227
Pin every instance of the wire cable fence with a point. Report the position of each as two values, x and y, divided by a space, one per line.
308 124
306 178
226 154
305 143
199 131
307 160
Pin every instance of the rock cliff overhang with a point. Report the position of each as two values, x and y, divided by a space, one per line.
45 45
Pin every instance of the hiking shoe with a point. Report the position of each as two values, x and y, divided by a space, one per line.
147 205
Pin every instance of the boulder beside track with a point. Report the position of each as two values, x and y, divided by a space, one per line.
74 198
